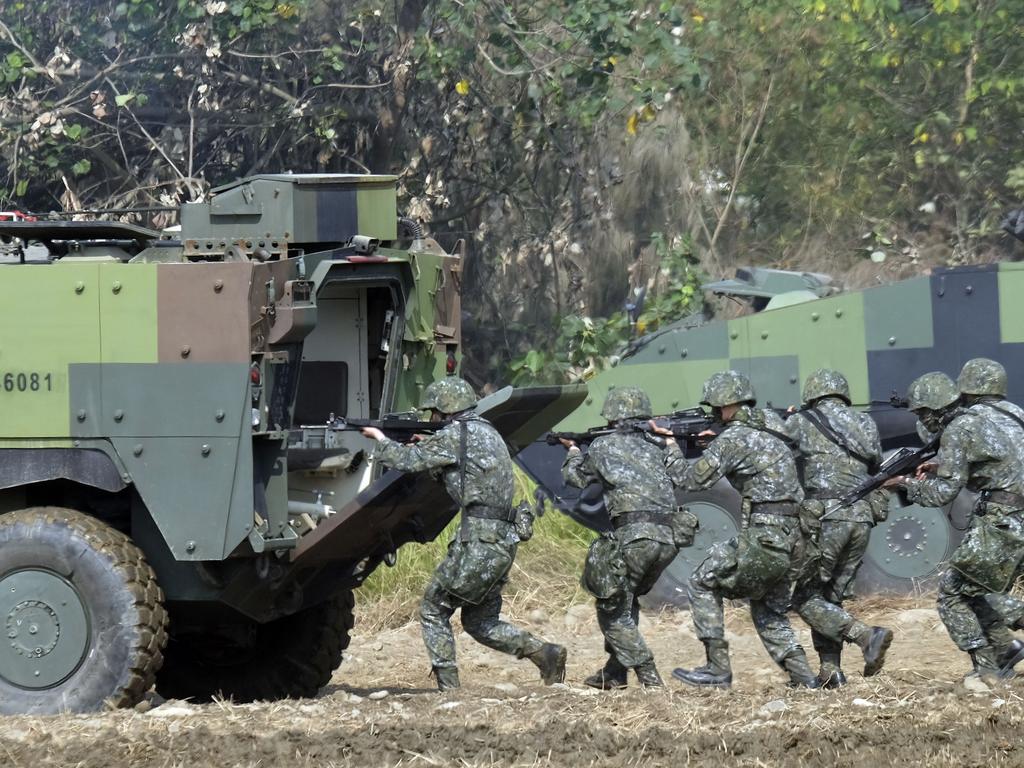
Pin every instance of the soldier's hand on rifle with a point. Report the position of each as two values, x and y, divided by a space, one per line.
373 433
895 482
925 468
567 443
659 430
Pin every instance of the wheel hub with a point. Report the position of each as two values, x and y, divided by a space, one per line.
716 524
46 628
912 543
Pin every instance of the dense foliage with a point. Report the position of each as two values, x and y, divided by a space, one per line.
585 149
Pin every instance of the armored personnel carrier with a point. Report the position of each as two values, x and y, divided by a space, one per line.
881 338
180 501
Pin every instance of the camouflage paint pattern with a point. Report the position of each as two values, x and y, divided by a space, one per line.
824 383
448 395
727 388
981 376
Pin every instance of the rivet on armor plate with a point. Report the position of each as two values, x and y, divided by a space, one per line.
116 286
661 350
205 450
118 415
733 335
764 334
186 350
969 290
839 313
79 286
218 286
137 450
81 415
684 353
190 547
219 415
892 341
814 317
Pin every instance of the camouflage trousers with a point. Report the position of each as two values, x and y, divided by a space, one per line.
974 615
481 618
711 580
618 616
829 581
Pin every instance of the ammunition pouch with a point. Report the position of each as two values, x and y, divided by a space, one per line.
523 521
604 571
684 527
990 553
751 563
811 511
473 568
879 503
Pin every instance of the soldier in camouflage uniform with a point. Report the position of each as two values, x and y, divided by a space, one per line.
983 386
763 561
974 453
624 565
840 448
477 471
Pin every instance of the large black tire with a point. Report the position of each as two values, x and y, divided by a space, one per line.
291 657
84 620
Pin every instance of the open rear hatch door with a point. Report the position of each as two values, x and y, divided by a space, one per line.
398 507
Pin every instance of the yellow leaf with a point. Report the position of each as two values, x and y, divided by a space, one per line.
613 60
462 87
923 137
648 113
641 326
958 138
698 18
632 123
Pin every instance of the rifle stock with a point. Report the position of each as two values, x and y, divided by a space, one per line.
685 426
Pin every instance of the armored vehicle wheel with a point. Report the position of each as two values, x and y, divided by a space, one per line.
291 657
718 511
84 621
906 552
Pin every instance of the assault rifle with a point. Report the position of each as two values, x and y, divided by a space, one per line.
902 462
394 426
685 425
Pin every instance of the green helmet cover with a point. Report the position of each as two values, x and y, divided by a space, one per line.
982 376
728 388
934 391
448 395
824 383
626 403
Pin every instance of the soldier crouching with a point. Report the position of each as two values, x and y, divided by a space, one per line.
763 561
648 530
478 475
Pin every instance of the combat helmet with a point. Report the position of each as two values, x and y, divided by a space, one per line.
448 395
626 403
982 376
934 391
825 383
728 388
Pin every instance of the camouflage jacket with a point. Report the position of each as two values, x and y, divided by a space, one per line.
1002 412
829 471
488 478
632 471
757 463
974 453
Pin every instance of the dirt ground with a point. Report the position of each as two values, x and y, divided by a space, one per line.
380 710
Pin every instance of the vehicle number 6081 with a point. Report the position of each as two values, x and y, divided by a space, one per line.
27 382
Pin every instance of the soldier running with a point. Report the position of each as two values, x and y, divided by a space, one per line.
974 453
624 565
763 561
840 447
477 470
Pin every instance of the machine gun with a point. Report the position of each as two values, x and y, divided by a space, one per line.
901 462
686 426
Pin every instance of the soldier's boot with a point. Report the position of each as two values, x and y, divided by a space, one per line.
613 675
874 642
716 673
1009 657
550 660
831 674
800 673
648 675
986 664
447 678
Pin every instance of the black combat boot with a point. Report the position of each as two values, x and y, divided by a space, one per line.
550 660
716 673
874 643
447 678
1009 658
648 675
986 664
613 675
800 673
831 674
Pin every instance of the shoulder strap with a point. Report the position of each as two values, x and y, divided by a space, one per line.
1005 412
819 422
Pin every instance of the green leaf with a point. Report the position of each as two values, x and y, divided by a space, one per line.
122 99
